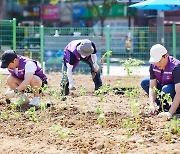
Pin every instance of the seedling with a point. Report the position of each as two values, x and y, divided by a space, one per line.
32 114
60 131
83 93
4 115
162 97
130 63
101 119
98 110
107 53
134 104
174 126
128 125
103 90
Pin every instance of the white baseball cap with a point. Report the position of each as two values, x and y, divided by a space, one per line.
156 53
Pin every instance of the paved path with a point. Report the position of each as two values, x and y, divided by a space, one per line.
119 71
3 71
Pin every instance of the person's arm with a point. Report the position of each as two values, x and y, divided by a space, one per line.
152 95
176 100
94 60
69 75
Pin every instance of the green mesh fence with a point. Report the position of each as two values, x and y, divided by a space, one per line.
47 44
56 39
28 42
6 34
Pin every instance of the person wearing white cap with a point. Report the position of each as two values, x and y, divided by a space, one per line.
165 76
74 52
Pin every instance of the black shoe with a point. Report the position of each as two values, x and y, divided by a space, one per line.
97 86
8 101
64 89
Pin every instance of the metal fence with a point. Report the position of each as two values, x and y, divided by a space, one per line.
46 44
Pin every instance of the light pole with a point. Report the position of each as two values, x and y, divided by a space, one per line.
41 11
129 14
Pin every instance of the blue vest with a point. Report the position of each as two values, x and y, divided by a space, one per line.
166 77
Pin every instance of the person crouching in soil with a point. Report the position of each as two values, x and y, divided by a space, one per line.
74 52
165 76
23 72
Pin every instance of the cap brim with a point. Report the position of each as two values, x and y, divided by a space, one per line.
154 60
4 65
83 53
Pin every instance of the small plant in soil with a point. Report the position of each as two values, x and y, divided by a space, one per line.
32 114
162 97
60 131
4 115
130 63
174 126
100 92
101 119
83 93
134 104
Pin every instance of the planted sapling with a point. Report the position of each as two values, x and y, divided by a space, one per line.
162 97
130 63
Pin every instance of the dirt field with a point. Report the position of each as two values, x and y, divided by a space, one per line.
87 123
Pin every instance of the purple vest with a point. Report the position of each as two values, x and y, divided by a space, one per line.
21 69
71 47
166 77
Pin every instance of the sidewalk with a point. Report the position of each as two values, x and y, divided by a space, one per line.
119 71
4 71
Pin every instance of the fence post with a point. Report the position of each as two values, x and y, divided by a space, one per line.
14 34
174 40
42 45
108 47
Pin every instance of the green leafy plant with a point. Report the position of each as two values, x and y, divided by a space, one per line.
83 93
101 119
130 63
134 104
4 115
162 97
60 131
128 125
32 114
174 126
107 53
103 90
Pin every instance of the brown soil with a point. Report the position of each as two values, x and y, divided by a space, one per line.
71 126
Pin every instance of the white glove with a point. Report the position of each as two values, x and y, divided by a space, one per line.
10 94
72 86
96 67
165 114
152 109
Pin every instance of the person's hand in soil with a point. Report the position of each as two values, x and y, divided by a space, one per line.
165 114
72 86
153 109
9 94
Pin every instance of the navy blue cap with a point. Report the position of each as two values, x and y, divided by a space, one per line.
7 57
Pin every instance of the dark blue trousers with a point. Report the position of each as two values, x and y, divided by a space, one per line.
170 88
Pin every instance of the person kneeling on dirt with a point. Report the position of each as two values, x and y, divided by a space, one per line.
74 52
23 72
165 76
